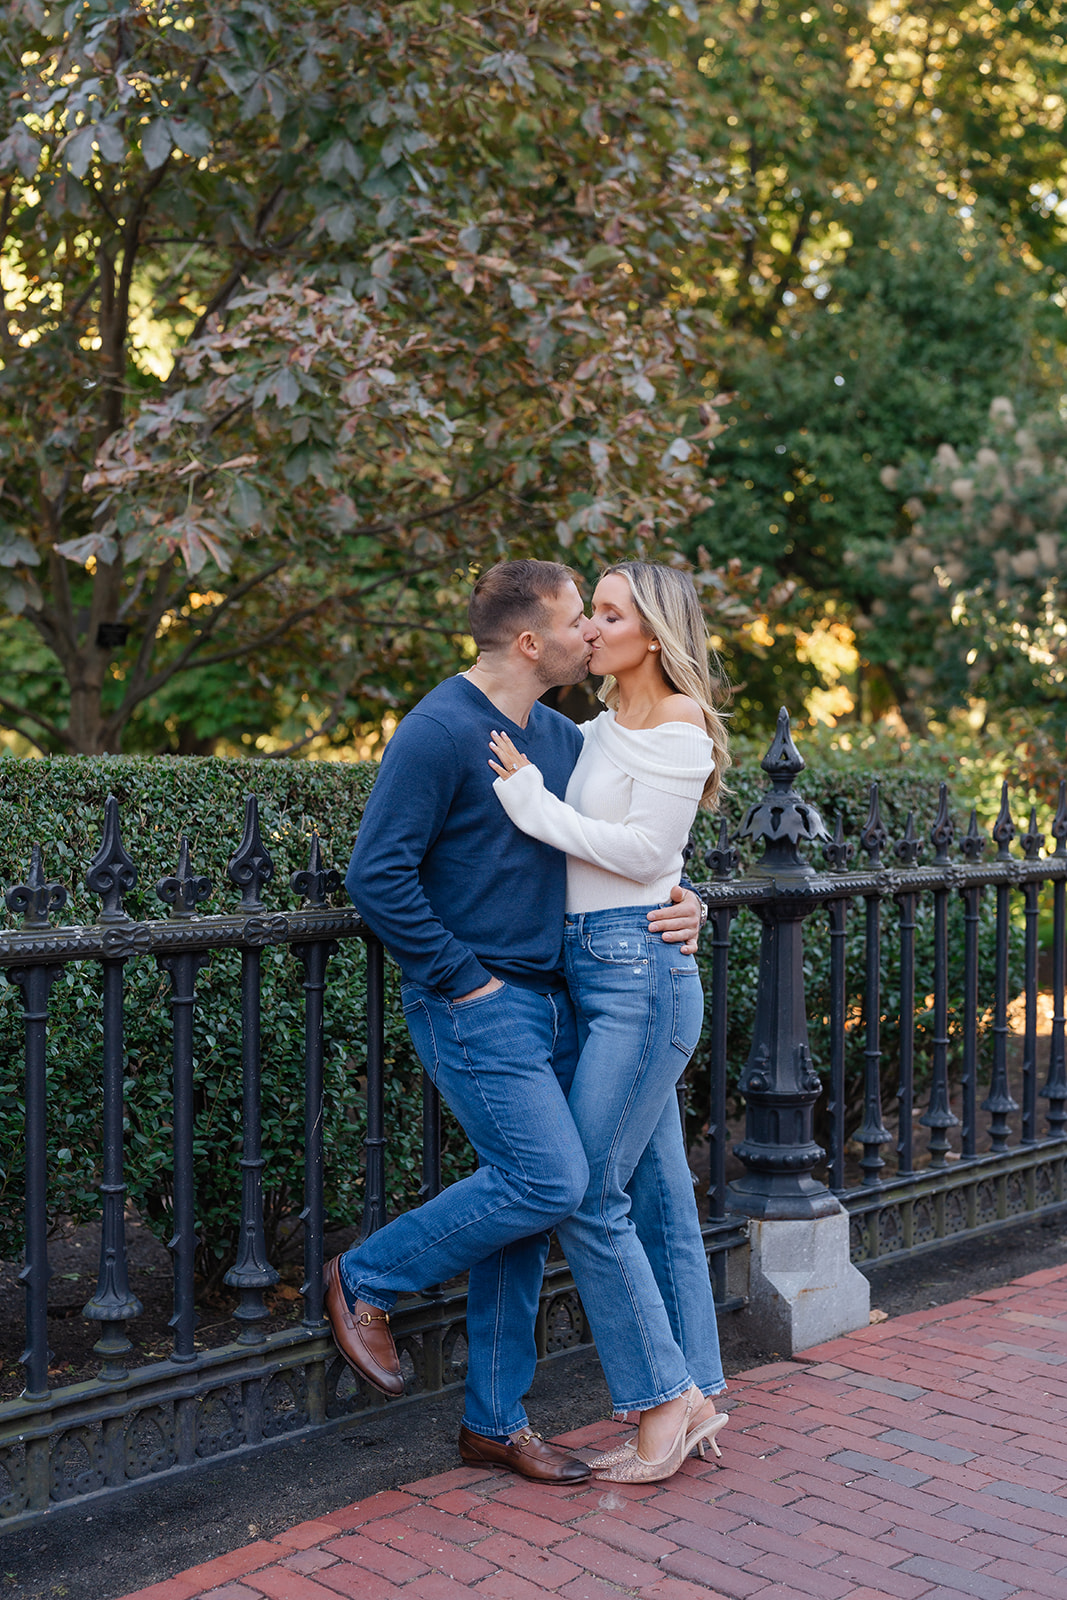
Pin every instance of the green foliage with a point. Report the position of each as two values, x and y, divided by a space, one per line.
976 577
307 310
901 168
59 803
838 783
908 348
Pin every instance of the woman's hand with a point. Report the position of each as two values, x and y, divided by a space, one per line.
508 759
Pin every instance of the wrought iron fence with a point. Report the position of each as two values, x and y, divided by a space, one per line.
59 1445
925 1197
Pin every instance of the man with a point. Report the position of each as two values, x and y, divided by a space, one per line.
472 910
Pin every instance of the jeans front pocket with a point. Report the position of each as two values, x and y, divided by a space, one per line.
420 1026
688 1008
478 999
617 946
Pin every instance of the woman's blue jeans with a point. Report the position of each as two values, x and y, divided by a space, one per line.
502 1063
634 1243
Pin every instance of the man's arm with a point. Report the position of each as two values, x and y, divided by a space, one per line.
404 815
681 921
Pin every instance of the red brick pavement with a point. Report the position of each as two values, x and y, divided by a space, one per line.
921 1459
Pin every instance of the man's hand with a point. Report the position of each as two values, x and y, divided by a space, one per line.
486 988
680 922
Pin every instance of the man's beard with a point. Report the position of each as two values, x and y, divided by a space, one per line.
557 668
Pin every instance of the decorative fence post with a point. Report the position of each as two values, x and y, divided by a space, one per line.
802 1286
36 899
314 885
183 893
112 875
251 868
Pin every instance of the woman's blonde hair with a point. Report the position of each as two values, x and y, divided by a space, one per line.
667 603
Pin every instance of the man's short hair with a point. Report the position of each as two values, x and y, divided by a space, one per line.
512 596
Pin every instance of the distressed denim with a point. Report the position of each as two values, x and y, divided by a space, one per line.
634 1243
498 1062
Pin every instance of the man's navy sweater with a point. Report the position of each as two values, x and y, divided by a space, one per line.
448 883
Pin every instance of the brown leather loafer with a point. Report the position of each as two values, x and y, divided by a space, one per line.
525 1453
362 1336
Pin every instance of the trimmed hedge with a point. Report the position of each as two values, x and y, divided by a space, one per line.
59 803
838 782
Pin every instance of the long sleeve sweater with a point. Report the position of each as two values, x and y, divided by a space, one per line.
629 806
454 891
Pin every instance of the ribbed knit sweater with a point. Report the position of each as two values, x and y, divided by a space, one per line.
629 806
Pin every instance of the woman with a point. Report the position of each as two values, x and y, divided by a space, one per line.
634 1245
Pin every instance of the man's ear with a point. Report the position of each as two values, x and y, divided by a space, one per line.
529 645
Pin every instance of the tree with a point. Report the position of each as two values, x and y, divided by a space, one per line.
902 167
976 581
924 324
306 309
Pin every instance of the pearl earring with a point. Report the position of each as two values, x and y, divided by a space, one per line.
653 647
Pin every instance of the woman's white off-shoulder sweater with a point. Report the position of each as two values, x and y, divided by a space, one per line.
630 805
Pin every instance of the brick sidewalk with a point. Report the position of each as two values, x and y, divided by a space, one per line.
922 1459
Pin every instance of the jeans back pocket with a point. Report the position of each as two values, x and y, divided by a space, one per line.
688 1008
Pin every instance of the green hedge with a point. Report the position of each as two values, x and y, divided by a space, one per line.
59 803
838 782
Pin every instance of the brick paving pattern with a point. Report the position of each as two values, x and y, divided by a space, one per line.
924 1458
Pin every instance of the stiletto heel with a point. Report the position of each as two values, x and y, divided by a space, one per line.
704 1433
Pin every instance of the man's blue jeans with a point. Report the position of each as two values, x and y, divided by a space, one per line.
634 1243
501 1062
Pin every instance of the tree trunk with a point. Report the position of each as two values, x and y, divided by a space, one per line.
86 725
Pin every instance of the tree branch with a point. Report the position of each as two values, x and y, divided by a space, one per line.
792 261
141 685
34 716
233 278
372 529
162 598
330 722
14 728
5 222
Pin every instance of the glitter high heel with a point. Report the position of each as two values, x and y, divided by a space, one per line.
635 1469
618 1452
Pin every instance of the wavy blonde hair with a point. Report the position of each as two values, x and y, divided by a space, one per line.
668 606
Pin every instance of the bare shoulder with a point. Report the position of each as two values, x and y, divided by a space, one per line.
679 708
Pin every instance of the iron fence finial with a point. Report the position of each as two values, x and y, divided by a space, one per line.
184 891
974 841
1004 827
1032 841
111 873
1059 821
782 818
316 882
35 899
838 852
874 836
907 849
250 867
943 831
721 858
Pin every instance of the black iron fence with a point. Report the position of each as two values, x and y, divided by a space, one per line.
59 1445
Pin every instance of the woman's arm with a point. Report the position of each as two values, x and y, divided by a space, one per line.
643 846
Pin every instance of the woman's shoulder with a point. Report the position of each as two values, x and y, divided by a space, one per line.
678 708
